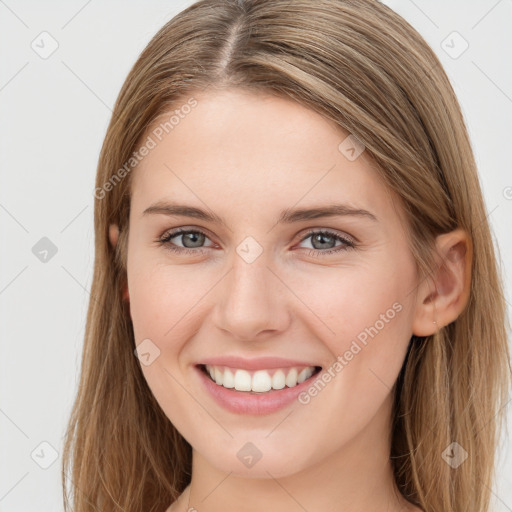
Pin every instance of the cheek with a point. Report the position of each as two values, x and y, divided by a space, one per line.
163 296
370 313
346 301
365 316
164 300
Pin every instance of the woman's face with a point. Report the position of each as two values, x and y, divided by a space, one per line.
259 294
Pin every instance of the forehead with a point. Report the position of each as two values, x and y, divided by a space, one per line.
241 148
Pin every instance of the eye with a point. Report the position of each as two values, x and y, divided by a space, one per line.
323 241
191 240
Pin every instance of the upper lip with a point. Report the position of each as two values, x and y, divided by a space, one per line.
255 363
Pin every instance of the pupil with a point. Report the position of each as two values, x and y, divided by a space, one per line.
197 236
321 238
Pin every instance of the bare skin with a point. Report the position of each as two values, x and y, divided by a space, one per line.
246 158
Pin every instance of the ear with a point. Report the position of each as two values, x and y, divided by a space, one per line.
113 234
442 297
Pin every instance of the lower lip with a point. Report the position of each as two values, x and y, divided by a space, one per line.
243 402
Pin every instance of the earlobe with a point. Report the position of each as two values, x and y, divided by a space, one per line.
113 234
444 294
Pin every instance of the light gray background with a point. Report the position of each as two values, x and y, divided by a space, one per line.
53 117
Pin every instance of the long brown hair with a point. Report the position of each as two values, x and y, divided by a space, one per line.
361 65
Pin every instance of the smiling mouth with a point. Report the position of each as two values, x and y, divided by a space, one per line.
259 381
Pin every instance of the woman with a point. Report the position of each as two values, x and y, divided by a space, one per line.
296 303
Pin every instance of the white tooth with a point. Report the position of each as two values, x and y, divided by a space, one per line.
278 380
242 380
229 379
261 381
211 371
218 376
304 374
291 378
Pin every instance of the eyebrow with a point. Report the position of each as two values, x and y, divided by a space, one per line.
287 216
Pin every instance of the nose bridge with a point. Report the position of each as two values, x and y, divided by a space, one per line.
250 279
250 300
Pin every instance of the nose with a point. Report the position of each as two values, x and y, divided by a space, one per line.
252 302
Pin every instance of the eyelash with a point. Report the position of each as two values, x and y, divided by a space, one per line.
166 241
